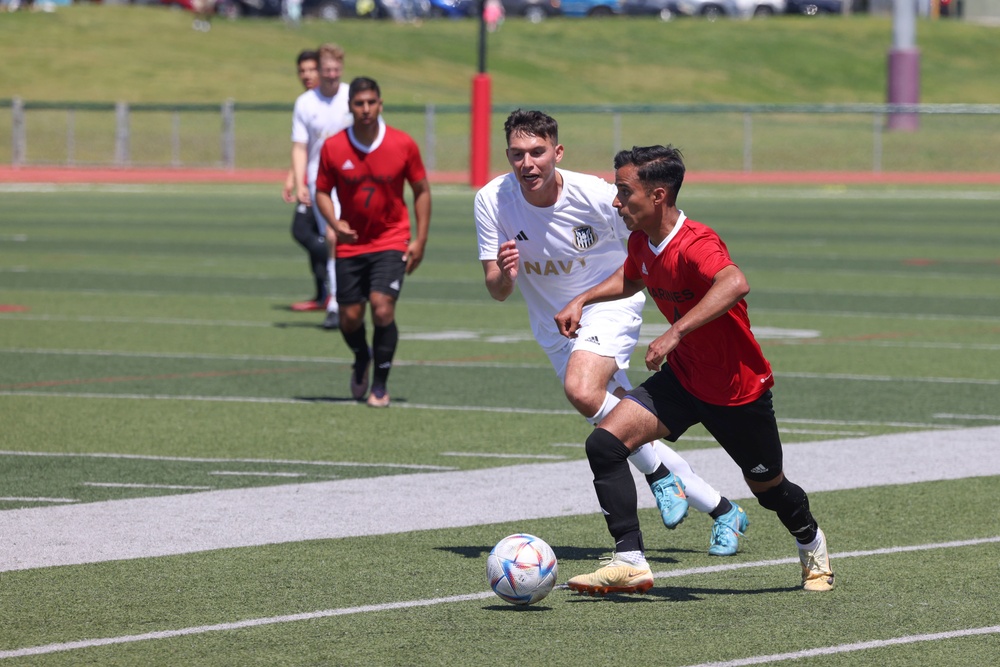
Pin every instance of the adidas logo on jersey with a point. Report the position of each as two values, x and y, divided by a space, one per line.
759 469
644 271
593 339
347 165
521 236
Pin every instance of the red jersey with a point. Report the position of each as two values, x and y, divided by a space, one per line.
719 362
369 182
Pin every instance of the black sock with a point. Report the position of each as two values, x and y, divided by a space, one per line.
384 342
720 509
613 483
657 474
356 340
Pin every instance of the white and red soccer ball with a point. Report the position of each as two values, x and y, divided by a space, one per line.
521 569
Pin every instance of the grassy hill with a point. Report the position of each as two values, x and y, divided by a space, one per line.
151 54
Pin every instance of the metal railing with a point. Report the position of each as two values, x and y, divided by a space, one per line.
741 137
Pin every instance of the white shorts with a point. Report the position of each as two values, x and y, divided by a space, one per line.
606 329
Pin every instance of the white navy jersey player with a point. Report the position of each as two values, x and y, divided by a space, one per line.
575 243
555 233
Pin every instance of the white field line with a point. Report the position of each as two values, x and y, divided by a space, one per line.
420 406
476 364
489 455
238 473
128 485
945 415
193 459
409 604
27 499
848 648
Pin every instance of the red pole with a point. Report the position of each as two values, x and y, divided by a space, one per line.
479 158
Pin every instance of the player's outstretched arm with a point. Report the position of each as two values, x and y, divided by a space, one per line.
501 273
615 286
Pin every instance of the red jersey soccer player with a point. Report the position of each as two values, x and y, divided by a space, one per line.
368 165
715 373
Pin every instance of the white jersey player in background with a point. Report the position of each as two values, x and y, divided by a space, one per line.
320 113
555 233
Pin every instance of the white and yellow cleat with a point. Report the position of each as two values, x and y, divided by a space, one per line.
816 572
618 576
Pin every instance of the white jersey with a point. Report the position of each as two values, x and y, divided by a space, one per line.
317 117
565 249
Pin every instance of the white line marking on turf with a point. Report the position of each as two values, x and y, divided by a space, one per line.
944 415
127 485
26 499
239 473
192 459
848 648
489 455
420 406
409 604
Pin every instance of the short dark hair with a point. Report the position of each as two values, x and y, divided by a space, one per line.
534 123
361 84
307 54
656 166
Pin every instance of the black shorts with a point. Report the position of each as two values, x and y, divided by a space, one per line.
748 433
359 276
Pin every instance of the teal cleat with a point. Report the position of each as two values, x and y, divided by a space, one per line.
670 499
727 530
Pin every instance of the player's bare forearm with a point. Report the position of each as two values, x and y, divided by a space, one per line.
499 284
422 212
341 231
729 286
300 158
288 192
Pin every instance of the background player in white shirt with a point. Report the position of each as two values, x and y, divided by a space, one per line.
555 233
320 113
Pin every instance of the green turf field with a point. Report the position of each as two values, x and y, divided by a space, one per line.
147 354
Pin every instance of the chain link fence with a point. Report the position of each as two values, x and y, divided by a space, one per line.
748 138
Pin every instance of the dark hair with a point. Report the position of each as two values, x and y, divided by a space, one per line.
534 123
361 84
307 54
656 166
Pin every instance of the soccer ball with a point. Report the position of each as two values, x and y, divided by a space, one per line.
521 569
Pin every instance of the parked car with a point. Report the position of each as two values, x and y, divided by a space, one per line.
589 7
533 10
709 9
760 8
665 9
813 7
454 9
233 9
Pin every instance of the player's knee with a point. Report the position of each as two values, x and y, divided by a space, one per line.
605 451
584 398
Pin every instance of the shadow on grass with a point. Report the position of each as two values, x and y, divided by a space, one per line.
566 554
676 594
342 400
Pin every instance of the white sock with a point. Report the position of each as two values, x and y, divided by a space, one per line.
644 459
812 545
702 496
633 557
